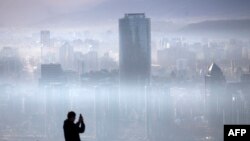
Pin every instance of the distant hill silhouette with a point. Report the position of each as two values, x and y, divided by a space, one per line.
109 11
224 28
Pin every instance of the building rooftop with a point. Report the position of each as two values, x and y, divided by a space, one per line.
214 70
135 15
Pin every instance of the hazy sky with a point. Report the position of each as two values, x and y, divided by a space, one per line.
26 12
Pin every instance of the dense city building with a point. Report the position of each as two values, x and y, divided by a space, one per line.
48 53
66 56
45 38
51 73
216 100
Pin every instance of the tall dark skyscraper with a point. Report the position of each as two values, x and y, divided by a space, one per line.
217 101
135 49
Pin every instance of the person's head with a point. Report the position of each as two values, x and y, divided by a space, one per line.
71 116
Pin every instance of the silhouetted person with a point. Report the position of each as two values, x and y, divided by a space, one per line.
71 129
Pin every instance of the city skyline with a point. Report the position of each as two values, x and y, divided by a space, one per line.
137 70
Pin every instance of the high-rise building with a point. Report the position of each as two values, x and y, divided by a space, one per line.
45 38
91 61
135 49
107 63
51 73
48 54
66 56
216 100
10 65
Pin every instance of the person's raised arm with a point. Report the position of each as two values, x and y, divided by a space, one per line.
82 127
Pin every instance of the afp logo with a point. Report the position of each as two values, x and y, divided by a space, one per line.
236 132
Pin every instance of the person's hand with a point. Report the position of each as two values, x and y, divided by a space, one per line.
81 118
